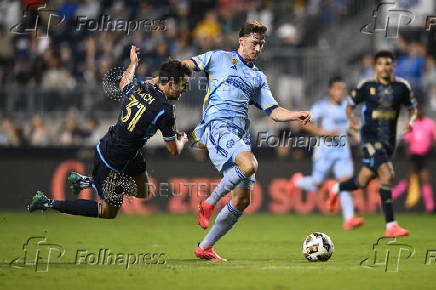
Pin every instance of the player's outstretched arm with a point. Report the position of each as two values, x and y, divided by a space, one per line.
129 73
314 130
175 147
412 118
280 114
189 63
354 124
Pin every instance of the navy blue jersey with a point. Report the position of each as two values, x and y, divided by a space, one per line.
145 109
380 110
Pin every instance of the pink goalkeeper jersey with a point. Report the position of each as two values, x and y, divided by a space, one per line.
421 137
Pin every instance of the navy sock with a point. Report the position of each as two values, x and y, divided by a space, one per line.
84 207
348 185
386 201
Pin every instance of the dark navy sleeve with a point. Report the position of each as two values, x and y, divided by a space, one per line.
166 123
408 99
358 95
128 89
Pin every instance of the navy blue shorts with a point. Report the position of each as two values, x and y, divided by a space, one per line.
101 171
374 157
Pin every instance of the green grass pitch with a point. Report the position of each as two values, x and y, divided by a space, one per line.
264 252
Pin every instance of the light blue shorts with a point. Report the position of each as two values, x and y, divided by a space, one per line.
224 142
324 161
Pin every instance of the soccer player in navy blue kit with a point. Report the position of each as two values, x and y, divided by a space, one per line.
145 109
382 98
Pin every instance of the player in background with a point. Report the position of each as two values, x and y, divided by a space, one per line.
419 143
234 83
334 153
382 98
145 109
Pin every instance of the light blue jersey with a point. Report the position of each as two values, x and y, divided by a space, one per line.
336 155
232 86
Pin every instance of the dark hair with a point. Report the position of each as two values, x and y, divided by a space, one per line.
335 79
252 27
173 69
384 53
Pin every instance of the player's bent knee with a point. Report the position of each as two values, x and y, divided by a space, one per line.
249 167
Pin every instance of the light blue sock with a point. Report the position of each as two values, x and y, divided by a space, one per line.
307 183
224 221
347 204
231 179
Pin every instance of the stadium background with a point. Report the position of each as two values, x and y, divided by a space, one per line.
53 109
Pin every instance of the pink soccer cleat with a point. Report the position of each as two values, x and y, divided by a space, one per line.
396 231
208 254
205 211
292 184
353 223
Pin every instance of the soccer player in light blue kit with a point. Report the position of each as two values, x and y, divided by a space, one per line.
234 83
333 152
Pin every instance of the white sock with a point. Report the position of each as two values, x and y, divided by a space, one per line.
224 221
335 188
307 183
390 224
231 179
347 205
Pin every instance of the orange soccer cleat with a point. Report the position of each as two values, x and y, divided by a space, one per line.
205 211
208 254
353 223
292 184
396 231
331 202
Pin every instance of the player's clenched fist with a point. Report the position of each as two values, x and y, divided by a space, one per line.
134 55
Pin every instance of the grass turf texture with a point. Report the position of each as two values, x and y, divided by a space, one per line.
264 252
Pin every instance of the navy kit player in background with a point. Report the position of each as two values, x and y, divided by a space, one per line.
145 109
382 98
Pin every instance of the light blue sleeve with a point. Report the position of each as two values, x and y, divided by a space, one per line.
202 62
263 98
317 110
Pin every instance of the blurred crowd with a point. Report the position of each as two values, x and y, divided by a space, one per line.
74 131
70 58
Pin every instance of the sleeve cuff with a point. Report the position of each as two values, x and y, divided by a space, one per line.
197 67
170 138
270 108
350 101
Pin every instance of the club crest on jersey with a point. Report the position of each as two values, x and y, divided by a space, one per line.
372 91
235 62
230 143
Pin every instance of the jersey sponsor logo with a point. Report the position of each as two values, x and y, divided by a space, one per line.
383 115
239 83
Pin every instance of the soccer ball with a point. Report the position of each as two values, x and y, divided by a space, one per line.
318 247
